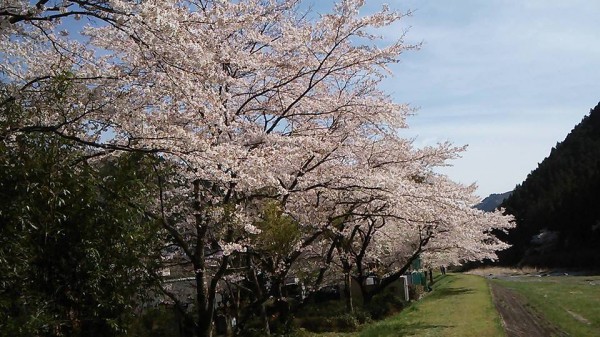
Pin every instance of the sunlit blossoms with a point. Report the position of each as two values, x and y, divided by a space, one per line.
265 116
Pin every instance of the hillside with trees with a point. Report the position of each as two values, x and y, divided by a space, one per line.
557 207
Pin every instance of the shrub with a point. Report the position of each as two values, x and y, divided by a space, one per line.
327 309
346 323
384 305
363 316
341 323
156 322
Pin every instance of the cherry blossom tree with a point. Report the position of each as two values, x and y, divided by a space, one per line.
394 209
247 103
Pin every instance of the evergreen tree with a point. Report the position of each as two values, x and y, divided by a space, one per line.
75 246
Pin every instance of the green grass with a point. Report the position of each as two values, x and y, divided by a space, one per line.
570 302
460 305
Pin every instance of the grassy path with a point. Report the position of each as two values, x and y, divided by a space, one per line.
460 305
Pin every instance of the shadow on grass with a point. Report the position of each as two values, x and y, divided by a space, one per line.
399 329
446 287
442 288
447 292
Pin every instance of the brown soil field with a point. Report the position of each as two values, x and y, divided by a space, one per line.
518 319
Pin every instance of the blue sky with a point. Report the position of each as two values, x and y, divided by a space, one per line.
508 78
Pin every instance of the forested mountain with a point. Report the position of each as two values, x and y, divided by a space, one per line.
557 207
491 202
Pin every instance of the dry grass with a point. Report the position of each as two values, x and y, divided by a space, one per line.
506 271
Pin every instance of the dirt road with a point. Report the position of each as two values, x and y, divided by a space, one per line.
518 319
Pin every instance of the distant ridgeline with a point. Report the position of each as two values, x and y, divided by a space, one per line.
557 208
492 202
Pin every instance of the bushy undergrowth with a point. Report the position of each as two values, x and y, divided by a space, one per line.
332 316
385 305
156 322
341 323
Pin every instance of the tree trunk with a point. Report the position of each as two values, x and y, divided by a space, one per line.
203 328
366 294
391 278
205 311
259 296
205 317
348 291
265 319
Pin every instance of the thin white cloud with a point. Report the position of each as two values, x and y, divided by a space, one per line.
508 77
